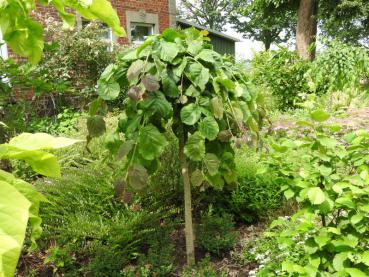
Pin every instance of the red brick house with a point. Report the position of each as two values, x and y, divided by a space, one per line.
141 18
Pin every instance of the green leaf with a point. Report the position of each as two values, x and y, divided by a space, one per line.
327 142
209 56
195 147
365 257
96 126
170 87
217 108
40 141
168 51
194 47
356 218
212 163
30 192
151 142
103 10
13 223
316 196
216 181
178 70
108 90
156 103
288 194
94 106
209 128
135 70
137 176
124 149
192 91
24 37
226 83
322 240
354 272
198 75
190 114
197 178
170 34
319 116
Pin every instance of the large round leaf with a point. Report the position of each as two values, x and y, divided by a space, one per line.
212 163
108 90
316 196
137 176
151 142
190 114
195 147
209 128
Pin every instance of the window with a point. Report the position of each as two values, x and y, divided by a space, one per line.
140 31
3 48
107 34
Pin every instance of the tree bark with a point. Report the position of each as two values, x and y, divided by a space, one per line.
190 248
306 30
267 40
267 45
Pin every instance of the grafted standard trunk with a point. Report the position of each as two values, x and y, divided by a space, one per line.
190 248
306 31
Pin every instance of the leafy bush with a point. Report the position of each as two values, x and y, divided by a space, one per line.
267 252
338 67
256 195
330 181
76 56
63 123
281 72
215 233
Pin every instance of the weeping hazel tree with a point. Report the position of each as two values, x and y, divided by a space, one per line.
176 81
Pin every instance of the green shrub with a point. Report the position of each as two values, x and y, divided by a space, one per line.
215 233
281 72
266 251
256 194
338 67
62 123
330 183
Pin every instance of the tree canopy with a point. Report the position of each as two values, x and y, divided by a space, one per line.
213 14
263 21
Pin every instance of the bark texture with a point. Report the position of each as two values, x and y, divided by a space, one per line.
307 29
190 248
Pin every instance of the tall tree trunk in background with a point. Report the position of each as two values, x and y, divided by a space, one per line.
267 40
190 248
306 31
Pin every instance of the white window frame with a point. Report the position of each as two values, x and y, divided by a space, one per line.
151 32
144 18
3 48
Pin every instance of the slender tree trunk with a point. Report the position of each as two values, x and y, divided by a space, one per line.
307 28
190 248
